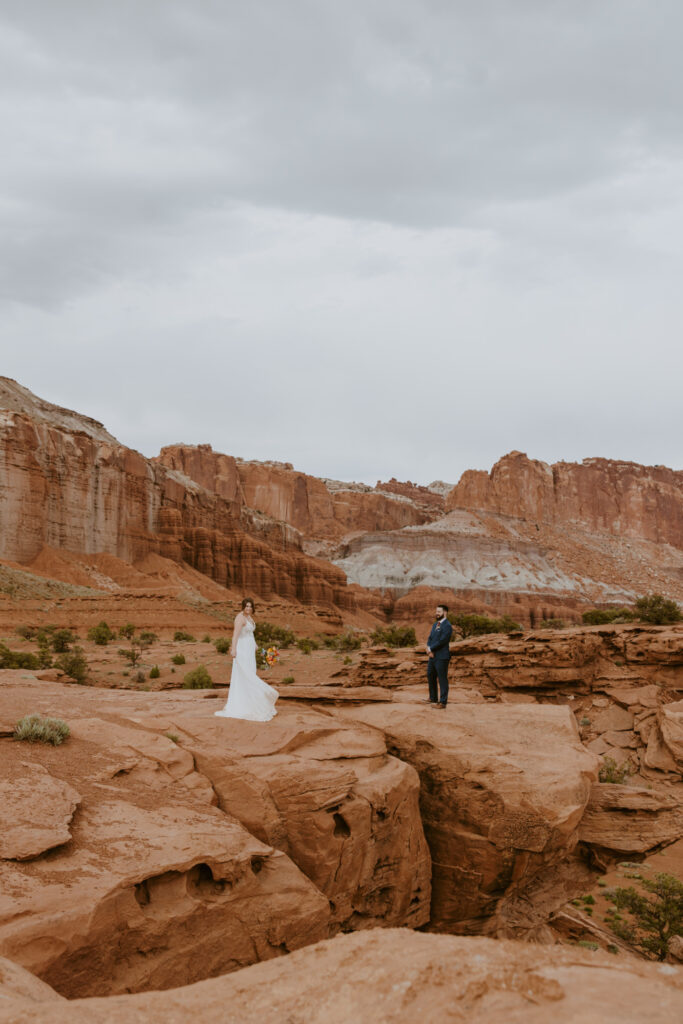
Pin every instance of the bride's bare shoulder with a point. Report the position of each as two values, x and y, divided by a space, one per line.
239 618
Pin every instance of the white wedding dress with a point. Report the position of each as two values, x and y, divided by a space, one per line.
249 697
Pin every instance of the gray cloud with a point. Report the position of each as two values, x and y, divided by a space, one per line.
351 236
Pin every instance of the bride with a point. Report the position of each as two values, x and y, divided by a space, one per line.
249 697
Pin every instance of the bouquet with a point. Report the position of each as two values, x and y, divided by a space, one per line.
270 656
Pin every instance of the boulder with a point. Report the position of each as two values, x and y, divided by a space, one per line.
503 790
327 794
36 811
630 819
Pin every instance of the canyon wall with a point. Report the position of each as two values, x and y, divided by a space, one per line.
603 495
68 484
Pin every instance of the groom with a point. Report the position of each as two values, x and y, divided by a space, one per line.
439 656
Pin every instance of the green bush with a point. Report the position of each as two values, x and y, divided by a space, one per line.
288 679
268 635
222 644
62 640
656 916
394 636
173 736
611 772
586 944
657 609
101 634
306 645
183 638
198 679
154 672
479 625
27 632
178 659
604 616
17 659
147 638
73 664
553 624
36 729
347 641
127 631
206 639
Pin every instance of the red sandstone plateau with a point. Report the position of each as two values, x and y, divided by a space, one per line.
361 856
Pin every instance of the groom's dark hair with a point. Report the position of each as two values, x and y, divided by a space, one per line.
246 601
444 606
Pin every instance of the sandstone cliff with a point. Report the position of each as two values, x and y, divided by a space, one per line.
68 484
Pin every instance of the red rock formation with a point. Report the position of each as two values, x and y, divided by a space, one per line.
402 976
153 885
606 496
503 792
320 510
69 485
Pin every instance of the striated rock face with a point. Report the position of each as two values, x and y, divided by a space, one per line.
630 819
600 531
645 502
402 976
318 511
503 792
69 485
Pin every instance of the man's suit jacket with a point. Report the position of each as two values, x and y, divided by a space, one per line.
439 638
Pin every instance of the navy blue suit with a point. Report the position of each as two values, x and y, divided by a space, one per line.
437 667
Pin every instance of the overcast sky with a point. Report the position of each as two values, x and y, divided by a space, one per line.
374 238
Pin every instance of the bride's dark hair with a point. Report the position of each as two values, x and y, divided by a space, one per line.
246 601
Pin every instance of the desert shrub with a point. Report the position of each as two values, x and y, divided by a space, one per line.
268 635
586 944
62 640
132 654
348 660
553 624
603 616
479 625
657 609
74 664
612 772
139 676
36 729
395 636
198 679
589 900
27 632
154 672
183 638
656 915
288 679
584 721
173 736
17 659
178 659
306 645
206 639
100 634
222 644
348 641
147 638
44 654
127 631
